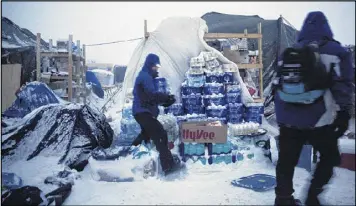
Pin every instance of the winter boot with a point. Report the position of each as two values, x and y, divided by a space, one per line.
287 201
176 166
312 198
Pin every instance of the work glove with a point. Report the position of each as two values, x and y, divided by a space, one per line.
171 100
341 123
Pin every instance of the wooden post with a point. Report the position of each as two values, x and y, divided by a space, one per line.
145 29
84 75
38 57
79 72
259 29
70 68
50 44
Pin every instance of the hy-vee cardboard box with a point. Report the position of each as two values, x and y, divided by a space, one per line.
204 132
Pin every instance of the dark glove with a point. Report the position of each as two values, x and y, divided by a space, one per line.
341 123
171 100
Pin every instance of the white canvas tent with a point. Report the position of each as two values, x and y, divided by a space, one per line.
175 41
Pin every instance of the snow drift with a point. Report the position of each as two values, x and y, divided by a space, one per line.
175 41
68 132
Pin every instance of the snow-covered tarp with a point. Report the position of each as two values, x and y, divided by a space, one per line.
31 96
66 131
175 41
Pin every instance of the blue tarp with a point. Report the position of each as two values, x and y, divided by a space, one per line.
256 182
31 96
97 89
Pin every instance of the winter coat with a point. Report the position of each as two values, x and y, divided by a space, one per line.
146 97
338 96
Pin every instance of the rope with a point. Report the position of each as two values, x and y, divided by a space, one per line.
114 42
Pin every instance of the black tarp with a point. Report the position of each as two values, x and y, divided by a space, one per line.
67 131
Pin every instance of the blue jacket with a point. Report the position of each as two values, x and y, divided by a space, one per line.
146 97
338 97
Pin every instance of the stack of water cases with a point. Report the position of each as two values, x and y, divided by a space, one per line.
191 90
130 129
235 107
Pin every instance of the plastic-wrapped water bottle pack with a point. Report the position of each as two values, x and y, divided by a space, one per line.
233 88
213 88
233 97
254 112
214 99
208 56
193 149
195 79
194 109
223 158
169 123
219 148
192 99
216 111
175 109
228 78
243 128
187 90
127 113
214 77
197 61
212 65
161 85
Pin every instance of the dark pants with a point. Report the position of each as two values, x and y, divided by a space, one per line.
290 145
151 128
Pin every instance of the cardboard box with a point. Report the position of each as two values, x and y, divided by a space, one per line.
203 132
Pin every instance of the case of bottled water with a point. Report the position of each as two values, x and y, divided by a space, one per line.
192 99
187 90
218 159
212 65
254 112
197 62
216 111
233 88
213 88
233 97
219 148
214 77
161 85
175 109
214 99
195 80
228 78
194 109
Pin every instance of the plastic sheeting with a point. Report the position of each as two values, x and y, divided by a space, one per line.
30 97
175 41
95 83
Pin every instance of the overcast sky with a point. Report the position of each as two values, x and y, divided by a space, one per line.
97 22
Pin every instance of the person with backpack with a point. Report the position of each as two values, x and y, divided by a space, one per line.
313 96
145 111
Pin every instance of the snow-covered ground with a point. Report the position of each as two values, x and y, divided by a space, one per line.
201 184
